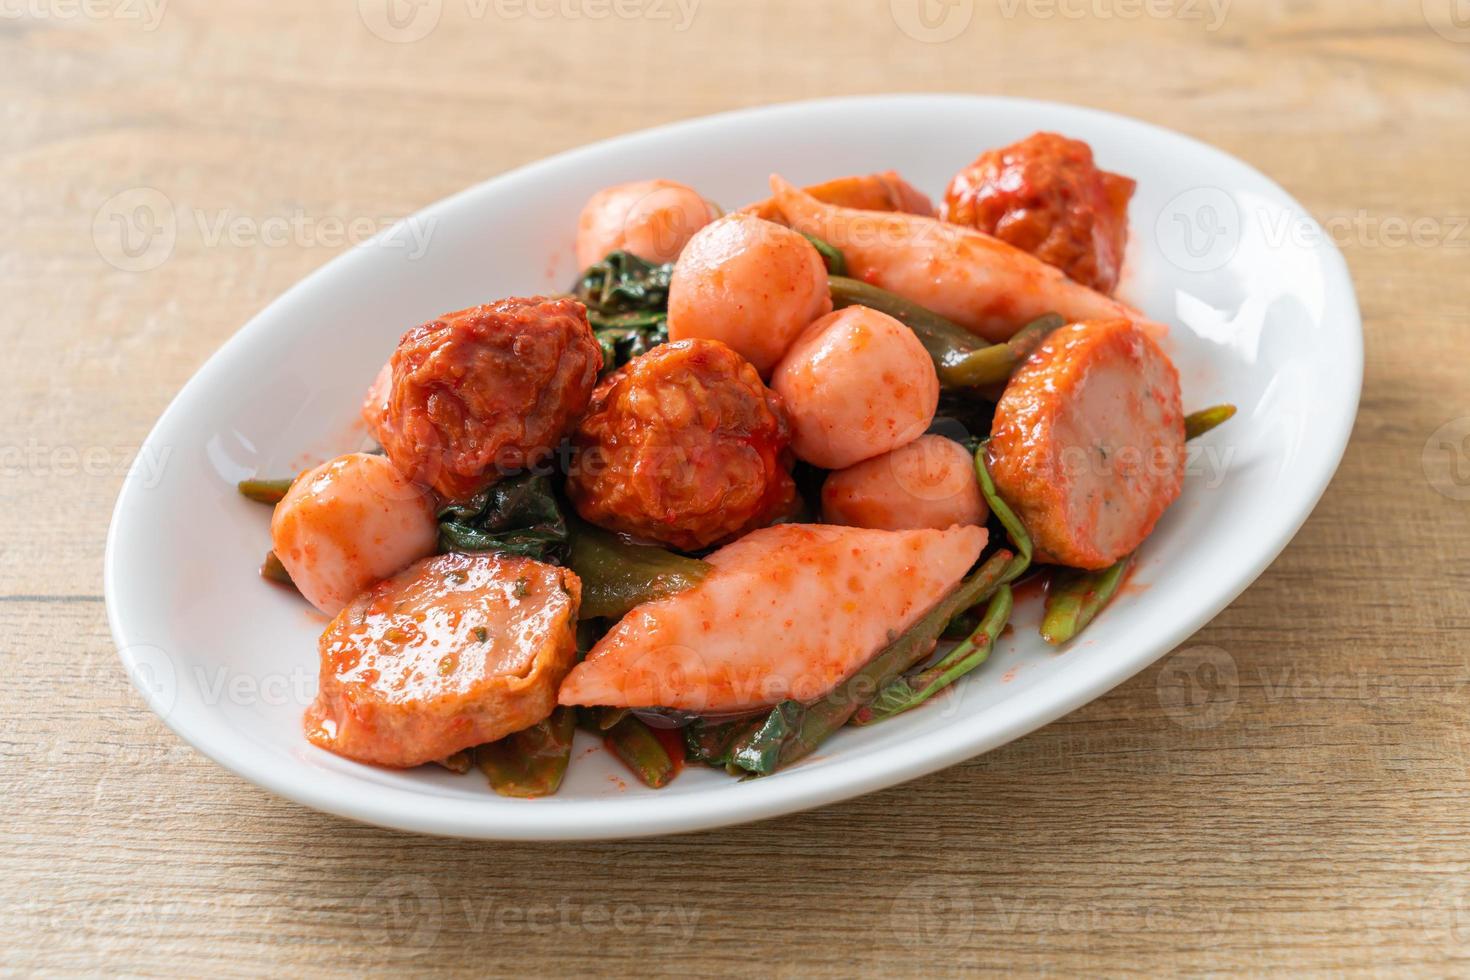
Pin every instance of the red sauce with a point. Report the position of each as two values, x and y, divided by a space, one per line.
1130 584
672 740
1031 585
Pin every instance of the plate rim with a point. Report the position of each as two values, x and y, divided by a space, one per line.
799 789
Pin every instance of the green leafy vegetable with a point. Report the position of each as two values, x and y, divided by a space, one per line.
618 575
517 516
713 743
623 283
533 761
760 751
621 344
627 300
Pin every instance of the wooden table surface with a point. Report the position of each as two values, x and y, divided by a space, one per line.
1305 811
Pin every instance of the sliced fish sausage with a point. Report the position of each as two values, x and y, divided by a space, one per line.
452 652
1088 442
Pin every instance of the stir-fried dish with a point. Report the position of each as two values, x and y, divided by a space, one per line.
757 476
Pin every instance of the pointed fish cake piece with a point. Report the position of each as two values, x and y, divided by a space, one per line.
979 282
789 612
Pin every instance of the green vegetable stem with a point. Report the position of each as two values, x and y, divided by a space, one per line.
533 761
714 743
902 693
272 570
832 258
793 730
1075 597
1006 516
618 575
641 751
1198 423
264 491
974 650
961 359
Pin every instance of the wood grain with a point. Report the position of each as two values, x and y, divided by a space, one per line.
1301 809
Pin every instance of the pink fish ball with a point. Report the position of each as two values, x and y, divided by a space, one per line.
653 219
752 284
857 383
929 483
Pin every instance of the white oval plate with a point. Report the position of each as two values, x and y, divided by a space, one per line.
1263 315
